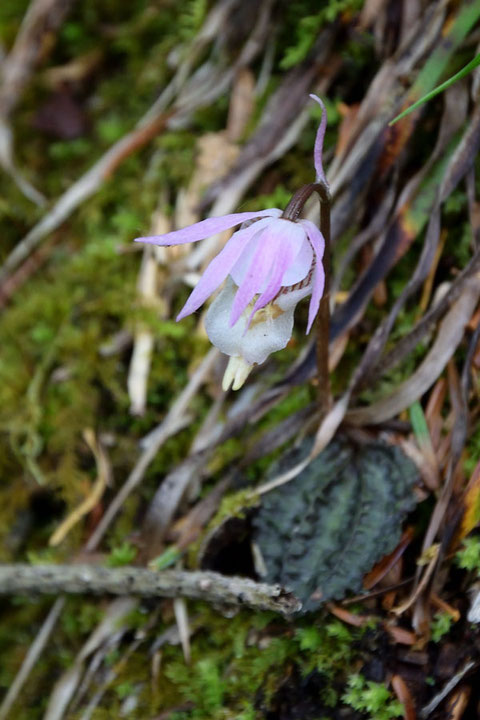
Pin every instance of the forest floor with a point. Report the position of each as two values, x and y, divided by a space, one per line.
338 556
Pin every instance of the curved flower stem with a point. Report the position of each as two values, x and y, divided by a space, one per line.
292 212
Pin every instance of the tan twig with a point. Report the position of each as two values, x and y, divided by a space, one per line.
104 474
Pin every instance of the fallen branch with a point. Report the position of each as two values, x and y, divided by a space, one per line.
209 586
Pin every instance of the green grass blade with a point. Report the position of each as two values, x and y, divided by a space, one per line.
440 88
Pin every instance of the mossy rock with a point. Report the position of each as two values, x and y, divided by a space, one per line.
321 532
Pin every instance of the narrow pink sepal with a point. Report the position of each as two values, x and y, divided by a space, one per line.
286 251
206 228
318 148
317 292
273 287
257 274
318 244
220 266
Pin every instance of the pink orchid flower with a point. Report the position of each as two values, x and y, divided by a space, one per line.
269 264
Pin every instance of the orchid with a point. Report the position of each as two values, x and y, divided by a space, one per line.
271 263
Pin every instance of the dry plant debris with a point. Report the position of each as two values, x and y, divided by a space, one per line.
116 439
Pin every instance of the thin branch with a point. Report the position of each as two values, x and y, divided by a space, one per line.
209 586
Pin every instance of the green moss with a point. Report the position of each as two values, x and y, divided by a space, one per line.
250 654
372 698
235 505
308 27
123 554
468 557
79 618
440 625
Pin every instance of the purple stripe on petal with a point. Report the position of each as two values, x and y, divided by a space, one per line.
206 228
289 239
272 289
318 244
220 266
258 272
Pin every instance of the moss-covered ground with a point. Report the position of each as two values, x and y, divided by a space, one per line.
55 382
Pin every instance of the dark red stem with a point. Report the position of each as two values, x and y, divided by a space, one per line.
292 212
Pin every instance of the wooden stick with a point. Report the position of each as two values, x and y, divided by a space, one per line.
209 586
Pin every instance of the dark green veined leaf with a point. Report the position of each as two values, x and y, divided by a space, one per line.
320 533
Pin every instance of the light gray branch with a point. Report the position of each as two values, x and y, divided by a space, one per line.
209 586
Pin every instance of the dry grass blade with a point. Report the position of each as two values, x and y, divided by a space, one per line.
450 685
450 334
66 686
31 657
181 617
143 338
326 431
41 21
169 426
400 609
104 479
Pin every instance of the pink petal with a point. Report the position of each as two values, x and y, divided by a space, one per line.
318 244
286 252
241 267
318 149
220 266
317 292
205 228
256 276
278 234
300 267
296 272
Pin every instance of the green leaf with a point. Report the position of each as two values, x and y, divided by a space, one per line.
321 532
168 558
419 423
440 88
